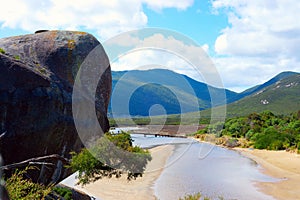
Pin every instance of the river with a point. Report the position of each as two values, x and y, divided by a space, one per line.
200 167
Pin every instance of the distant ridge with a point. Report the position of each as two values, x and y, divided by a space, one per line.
250 100
273 80
160 86
280 95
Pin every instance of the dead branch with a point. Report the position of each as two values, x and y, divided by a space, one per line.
36 161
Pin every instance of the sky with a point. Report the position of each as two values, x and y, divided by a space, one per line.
248 42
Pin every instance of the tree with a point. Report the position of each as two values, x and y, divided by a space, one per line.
112 155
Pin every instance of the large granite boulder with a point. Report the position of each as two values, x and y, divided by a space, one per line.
37 73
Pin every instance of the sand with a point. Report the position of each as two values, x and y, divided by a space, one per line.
279 164
139 189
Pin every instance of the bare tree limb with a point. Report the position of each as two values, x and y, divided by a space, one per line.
40 163
3 134
36 161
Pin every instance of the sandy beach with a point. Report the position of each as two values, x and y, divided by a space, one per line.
141 188
278 164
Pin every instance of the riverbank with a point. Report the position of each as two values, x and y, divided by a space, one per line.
141 188
279 164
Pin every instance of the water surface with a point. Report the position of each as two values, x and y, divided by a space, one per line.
200 167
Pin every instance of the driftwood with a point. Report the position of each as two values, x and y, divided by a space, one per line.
36 161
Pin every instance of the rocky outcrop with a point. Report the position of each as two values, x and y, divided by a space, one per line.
37 73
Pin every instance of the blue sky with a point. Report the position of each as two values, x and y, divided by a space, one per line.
248 41
196 21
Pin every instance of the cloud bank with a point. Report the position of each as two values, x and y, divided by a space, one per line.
261 40
106 17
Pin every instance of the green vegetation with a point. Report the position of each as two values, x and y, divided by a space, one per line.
196 196
282 97
175 119
111 156
175 92
284 89
170 120
2 51
262 131
17 57
42 70
66 193
20 188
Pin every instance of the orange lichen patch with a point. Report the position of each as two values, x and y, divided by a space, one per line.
71 44
51 35
80 32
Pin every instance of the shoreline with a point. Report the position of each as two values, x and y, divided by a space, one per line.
142 187
282 165
278 164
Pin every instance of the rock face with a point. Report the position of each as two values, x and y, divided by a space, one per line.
37 73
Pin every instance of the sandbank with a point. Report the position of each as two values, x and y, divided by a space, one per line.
141 188
279 164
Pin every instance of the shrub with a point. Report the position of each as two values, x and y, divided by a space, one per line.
196 196
110 156
63 192
20 188
2 51
271 139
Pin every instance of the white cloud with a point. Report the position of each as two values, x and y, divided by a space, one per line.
240 73
205 47
259 27
159 4
259 42
164 51
236 72
107 18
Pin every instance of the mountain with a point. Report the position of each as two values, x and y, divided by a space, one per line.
280 95
136 93
257 88
143 89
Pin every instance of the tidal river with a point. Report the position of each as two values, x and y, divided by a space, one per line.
200 167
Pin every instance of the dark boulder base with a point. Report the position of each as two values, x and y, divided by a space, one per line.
37 73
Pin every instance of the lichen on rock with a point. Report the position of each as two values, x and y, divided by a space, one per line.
36 97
